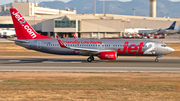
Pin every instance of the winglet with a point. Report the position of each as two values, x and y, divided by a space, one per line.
60 42
75 37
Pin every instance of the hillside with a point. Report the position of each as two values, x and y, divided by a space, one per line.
164 7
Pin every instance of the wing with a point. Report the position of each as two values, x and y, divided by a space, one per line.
82 50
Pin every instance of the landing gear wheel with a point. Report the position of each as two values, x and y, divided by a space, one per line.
89 59
156 60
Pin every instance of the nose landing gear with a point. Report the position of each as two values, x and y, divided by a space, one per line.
156 60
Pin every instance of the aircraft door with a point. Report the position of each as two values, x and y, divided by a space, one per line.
39 45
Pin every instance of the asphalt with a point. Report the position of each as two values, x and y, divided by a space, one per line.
79 64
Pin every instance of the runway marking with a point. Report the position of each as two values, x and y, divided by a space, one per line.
48 62
76 61
62 62
14 60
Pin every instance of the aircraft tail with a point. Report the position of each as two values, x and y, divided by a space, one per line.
172 26
177 29
75 37
22 27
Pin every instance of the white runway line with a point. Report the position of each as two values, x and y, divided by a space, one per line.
76 61
14 60
48 62
62 62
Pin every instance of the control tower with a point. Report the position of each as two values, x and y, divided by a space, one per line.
152 8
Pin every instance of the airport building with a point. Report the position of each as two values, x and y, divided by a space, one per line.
52 22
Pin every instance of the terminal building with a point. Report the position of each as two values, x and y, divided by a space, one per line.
52 22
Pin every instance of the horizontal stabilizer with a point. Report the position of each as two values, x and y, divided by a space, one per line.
22 41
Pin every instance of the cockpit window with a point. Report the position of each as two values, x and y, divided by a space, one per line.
164 45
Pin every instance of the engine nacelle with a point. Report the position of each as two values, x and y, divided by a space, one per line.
108 55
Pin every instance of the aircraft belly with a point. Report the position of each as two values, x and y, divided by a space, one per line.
58 50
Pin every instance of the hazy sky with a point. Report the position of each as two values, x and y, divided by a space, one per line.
9 1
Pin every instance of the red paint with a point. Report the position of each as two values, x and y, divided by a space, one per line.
140 48
109 55
60 42
75 37
132 49
124 49
22 27
82 42
77 52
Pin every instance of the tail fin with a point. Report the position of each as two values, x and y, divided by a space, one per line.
75 37
177 29
172 26
22 27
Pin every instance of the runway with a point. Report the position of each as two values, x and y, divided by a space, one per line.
79 64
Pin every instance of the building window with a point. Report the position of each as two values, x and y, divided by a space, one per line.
6 26
79 25
65 24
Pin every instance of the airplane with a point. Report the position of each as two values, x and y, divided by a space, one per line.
105 49
165 31
74 35
7 33
176 30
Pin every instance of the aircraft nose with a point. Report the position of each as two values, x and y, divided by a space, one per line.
170 50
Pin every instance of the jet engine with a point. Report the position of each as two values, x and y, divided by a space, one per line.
108 55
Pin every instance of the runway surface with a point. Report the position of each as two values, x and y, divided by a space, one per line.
77 64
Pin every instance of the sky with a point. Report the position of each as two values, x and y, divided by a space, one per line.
9 1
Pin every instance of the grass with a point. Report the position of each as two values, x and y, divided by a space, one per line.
10 49
73 86
64 86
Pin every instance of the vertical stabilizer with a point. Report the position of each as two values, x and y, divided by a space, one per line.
22 27
172 26
75 37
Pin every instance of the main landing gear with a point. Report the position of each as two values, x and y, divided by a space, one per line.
91 58
156 60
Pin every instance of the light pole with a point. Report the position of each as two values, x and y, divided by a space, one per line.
133 11
103 7
94 7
